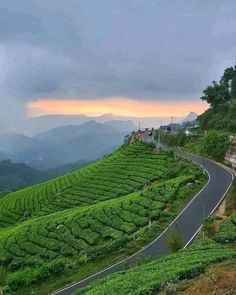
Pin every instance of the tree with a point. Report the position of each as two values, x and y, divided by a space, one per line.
219 92
214 145
216 94
208 226
233 86
181 138
227 76
222 97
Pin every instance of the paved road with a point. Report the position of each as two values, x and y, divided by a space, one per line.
188 221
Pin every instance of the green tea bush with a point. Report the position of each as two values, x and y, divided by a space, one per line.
86 215
227 231
121 173
152 277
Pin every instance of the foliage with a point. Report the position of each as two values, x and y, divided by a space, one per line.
95 230
233 86
150 278
216 94
219 93
193 146
174 139
221 97
28 276
229 120
231 199
86 215
174 241
14 176
208 226
118 174
214 145
227 231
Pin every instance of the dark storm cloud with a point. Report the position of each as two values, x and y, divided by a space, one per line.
144 49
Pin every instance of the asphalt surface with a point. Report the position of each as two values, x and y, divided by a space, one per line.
188 222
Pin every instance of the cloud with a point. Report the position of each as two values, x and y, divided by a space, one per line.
146 50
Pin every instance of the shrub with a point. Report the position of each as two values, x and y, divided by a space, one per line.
208 226
215 145
56 266
23 278
174 241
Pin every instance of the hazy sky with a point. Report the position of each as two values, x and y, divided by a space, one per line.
110 52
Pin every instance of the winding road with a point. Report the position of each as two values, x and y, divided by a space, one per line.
188 222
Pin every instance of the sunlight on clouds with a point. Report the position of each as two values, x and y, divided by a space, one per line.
116 105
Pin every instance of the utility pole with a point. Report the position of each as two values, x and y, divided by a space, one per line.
139 126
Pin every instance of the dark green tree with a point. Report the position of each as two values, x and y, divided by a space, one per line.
181 138
227 76
233 86
215 145
216 95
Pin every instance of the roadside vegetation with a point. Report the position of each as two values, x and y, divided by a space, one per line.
211 137
153 277
197 266
221 96
198 269
70 227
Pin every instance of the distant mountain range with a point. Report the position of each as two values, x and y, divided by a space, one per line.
72 138
35 125
66 144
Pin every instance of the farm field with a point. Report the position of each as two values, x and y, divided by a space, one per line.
179 272
152 277
121 173
67 224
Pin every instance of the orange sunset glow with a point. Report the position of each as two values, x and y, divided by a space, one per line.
115 105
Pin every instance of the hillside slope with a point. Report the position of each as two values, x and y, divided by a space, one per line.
62 145
124 171
152 277
72 223
167 272
17 175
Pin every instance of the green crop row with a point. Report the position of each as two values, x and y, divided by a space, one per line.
88 232
150 278
71 231
119 174
227 231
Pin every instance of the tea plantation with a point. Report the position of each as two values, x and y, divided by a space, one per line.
123 172
64 224
227 231
154 276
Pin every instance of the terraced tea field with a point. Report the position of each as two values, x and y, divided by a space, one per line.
152 277
123 172
71 232
60 225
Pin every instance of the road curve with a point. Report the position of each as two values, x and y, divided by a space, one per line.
188 222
